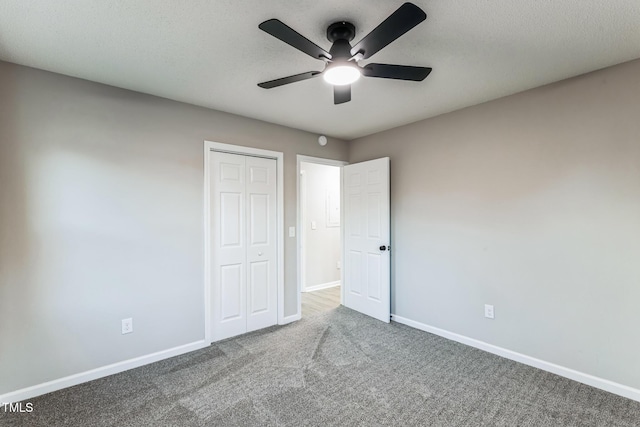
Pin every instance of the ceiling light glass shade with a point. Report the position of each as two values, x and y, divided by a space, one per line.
341 75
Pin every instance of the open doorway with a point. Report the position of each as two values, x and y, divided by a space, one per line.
319 236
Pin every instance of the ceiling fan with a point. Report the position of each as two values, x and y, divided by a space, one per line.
341 62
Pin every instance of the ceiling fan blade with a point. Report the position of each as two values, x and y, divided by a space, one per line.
400 72
399 22
341 94
290 79
281 31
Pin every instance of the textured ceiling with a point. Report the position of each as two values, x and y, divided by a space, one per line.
211 52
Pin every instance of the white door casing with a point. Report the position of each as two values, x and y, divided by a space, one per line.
366 266
243 241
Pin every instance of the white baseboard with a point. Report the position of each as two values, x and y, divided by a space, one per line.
289 319
59 384
321 286
601 383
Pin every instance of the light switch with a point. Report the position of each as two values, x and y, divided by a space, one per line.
292 232
313 225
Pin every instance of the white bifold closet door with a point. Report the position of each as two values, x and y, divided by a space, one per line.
243 237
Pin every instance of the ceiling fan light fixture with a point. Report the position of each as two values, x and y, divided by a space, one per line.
340 75
342 60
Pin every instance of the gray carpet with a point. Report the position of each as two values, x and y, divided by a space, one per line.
335 368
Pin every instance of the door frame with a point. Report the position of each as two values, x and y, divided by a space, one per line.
299 226
246 151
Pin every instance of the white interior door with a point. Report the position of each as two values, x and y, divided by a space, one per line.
367 260
262 303
243 228
228 237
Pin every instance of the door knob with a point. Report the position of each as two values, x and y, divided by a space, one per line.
259 253
384 248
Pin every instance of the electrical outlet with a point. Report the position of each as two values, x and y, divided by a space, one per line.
292 232
127 326
488 311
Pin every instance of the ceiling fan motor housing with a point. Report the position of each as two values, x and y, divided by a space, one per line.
341 30
340 34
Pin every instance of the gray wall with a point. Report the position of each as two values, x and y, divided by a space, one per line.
530 203
322 246
101 218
